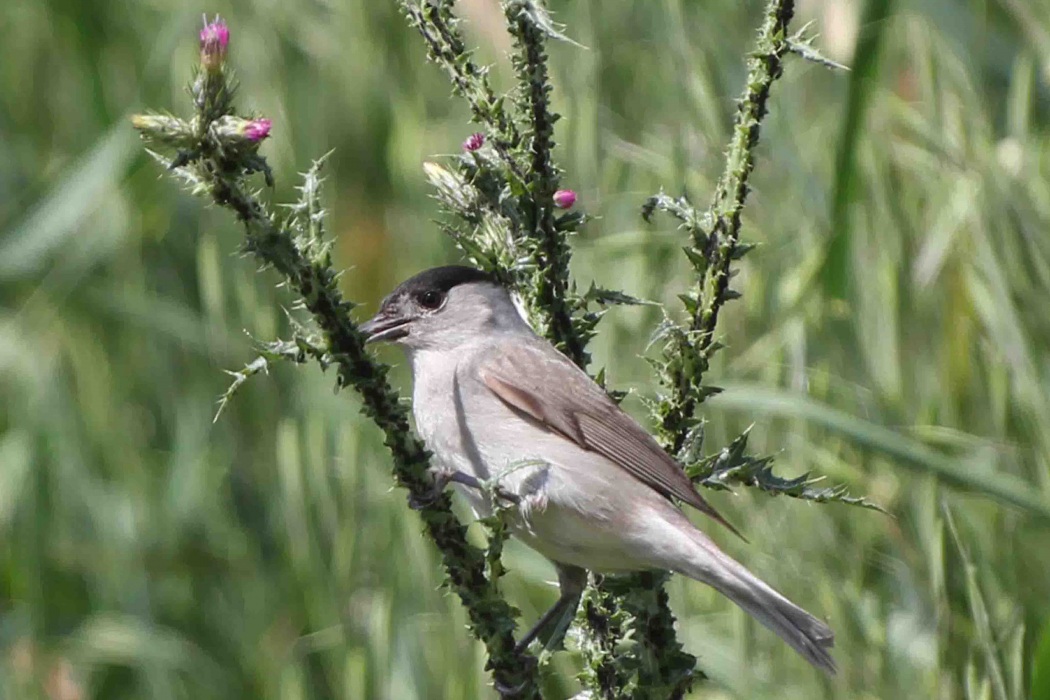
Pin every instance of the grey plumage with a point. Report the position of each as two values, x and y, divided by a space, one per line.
494 401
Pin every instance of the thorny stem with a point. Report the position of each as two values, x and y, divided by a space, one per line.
716 249
553 254
217 169
765 65
492 619
437 25
600 610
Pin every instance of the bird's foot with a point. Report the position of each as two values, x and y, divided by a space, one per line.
431 495
483 486
443 478
513 691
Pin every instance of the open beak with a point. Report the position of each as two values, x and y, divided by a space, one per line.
384 327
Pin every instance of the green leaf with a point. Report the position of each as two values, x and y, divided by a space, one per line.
1041 666
802 44
613 297
908 453
690 302
979 615
873 26
56 219
696 257
540 18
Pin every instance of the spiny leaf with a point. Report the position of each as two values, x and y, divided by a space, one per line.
732 466
802 45
612 297
541 19
259 364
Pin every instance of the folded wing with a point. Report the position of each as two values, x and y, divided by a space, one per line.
535 379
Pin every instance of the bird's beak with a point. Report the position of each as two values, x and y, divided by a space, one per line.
384 327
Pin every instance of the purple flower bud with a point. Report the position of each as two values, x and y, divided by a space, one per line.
257 129
563 199
215 38
474 142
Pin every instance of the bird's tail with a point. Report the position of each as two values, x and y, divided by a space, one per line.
806 634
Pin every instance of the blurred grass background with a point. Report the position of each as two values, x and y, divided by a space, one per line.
899 304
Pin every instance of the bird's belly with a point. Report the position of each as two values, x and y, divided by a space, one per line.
562 532
575 506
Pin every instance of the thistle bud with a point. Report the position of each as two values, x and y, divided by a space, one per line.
215 39
163 129
474 142
257 129
564 199
238 133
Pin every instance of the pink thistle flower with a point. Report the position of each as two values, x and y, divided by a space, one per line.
215 39
564 199
257 129
474 142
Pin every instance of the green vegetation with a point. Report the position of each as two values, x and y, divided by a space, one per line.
893 336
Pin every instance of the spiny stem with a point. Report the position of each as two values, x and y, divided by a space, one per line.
711 291
215 157
689 350
553 253
437 25
492 619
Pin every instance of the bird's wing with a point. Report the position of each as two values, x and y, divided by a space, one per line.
539 381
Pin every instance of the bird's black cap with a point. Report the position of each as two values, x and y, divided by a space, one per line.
428 289
441 279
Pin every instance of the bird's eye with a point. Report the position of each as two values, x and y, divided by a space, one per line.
430 299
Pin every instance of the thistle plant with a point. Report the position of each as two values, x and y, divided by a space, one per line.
215 153
505 206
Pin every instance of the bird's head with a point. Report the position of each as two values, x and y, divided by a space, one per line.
443 308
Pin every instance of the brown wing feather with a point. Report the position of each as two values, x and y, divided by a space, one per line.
540 382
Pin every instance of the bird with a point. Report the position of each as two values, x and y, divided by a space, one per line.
592 490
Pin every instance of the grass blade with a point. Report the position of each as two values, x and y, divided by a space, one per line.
907 452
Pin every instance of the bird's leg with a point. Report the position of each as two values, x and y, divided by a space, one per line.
443 478
555 622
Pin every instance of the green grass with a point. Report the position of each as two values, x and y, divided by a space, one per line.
145 552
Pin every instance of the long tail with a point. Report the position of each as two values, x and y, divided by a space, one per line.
806 634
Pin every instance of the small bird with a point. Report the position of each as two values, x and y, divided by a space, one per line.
496 404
